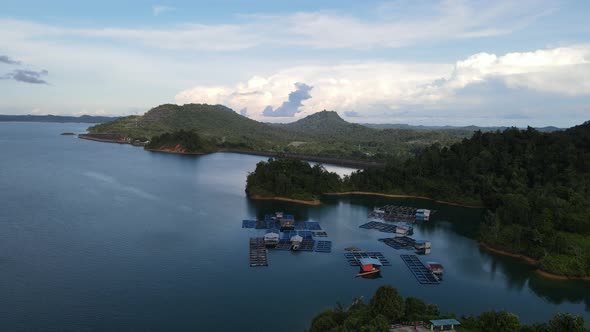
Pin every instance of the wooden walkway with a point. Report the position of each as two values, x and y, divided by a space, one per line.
257 252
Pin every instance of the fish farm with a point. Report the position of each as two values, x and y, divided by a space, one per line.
354 257
257 252
401 213
402 242
419 270
380 226
282 232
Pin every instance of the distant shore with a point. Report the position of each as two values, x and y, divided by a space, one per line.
325 160
103 140
175 151
368 193
530 261
284 199
319 159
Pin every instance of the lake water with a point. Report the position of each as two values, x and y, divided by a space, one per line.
108 237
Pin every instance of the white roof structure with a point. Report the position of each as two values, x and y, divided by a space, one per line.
271 236
296 238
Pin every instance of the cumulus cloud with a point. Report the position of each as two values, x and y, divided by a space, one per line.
8 60
562 70
26 76
244 111
292 106
385 89
158 9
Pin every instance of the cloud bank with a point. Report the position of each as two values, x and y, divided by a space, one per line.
382 89
391 26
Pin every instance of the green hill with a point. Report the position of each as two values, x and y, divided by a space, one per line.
320 134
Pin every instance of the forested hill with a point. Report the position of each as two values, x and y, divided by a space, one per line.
320 134
327 124
536 186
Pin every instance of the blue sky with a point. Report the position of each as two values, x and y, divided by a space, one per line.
430 62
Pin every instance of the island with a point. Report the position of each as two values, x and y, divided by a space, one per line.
535 187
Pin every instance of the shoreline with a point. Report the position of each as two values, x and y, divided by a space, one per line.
368 193
532 262
176 152
319 159
284 199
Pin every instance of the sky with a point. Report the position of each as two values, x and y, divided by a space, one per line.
452 62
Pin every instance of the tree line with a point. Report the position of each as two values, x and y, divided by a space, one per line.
387 306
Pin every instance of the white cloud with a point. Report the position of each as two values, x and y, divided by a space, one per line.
158 9
392 28
374 87
564 70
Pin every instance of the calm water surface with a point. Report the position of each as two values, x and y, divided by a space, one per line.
107 237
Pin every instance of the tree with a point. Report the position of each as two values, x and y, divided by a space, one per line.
492 321
325 321
388 303
566 322
415 309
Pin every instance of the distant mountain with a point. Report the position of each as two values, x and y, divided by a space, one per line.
321 134
327 124
57 118
466 129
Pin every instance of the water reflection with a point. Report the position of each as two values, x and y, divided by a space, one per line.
451 232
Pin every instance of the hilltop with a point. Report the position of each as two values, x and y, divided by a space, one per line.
320 134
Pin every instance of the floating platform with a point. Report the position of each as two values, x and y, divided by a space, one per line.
287 235
323 246
313 226
380 226
401 213
353 257
248 223
284 244
269 223
419 270
257 252
300 225
261 224
319 234
306 245
402 242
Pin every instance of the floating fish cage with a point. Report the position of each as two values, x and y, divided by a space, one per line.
400 213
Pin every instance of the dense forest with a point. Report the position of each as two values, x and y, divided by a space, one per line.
536 187
323 134
181 141
291 178
387 306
